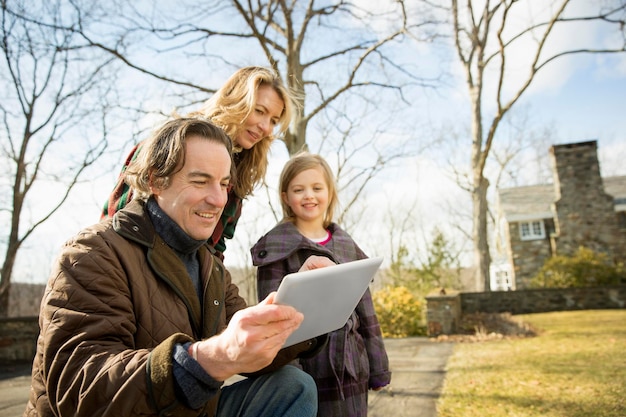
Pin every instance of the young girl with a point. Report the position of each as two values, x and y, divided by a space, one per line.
354 360
252 107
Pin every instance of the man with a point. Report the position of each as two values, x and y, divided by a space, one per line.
139 317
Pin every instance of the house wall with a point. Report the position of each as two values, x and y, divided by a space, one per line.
528 256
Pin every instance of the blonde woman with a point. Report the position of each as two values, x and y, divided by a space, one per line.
253 107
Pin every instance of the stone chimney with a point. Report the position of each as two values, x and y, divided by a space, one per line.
584 213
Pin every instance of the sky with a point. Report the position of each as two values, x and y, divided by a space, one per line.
580 99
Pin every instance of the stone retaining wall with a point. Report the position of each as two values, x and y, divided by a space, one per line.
18 335
445 311
18 338
443 314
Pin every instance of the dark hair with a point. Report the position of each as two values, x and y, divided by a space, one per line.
163 154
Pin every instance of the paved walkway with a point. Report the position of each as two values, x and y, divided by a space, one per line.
14 386
418 367
418 371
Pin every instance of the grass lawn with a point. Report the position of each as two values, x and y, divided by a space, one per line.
576 367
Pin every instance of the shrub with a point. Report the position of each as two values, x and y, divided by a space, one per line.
585 268
399 313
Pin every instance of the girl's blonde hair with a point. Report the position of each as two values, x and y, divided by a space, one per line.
229 108
302 162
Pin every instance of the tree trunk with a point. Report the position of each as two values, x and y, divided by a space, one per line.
295 138
480 185
5 277
482 259
4 298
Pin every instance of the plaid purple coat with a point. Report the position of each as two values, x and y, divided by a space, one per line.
122 194
354 360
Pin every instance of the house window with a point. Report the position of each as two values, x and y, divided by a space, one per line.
532 230
501 279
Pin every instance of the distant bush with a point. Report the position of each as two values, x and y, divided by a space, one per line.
584 269
400 314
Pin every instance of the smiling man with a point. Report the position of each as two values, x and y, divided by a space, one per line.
140 318
196 195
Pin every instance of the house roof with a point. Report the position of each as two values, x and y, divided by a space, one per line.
531 202
616 186
534 202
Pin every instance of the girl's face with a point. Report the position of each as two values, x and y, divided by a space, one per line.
307 195
263 118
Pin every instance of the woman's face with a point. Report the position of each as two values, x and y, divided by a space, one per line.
262 119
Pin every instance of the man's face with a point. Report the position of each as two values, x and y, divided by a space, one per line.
198 192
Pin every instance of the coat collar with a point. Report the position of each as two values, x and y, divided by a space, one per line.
134 224
285 239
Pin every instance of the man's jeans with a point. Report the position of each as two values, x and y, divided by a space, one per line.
286 392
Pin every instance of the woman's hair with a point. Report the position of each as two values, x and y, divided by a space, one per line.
163 154
302 162
229 108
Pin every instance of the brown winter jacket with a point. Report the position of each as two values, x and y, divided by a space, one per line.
116 304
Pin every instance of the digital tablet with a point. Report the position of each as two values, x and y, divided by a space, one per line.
326 296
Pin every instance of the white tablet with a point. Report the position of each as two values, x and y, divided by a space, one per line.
326 296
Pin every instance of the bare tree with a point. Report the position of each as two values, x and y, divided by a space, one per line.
485 33
298 32
54 116
403 223
343 61
322 52
520 156
341 58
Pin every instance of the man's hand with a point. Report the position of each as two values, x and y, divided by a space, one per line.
251 341
254 335
314 262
